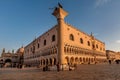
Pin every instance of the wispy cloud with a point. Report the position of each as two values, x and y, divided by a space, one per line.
118 41
99 3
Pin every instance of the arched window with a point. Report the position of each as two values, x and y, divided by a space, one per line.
28 50
65 49
33 49
44 42
96 45
46 61
54 61
50 61
80 59
71 37
81 40
38 45
53 38
88 43
43 62
93 46
70 50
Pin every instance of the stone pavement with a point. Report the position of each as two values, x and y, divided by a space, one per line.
83 72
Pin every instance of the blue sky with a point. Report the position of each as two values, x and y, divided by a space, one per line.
23 20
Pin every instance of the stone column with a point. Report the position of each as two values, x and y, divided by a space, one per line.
60 14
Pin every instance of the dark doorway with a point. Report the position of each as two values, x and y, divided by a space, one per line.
8 61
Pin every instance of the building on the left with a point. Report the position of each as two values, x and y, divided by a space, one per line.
12 59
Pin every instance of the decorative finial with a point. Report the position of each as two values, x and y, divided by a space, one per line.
3 50
13 51
91 34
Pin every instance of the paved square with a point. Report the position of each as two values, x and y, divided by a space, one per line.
83 72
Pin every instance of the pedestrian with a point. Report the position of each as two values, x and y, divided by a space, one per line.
109 61
69 67
58 67
117 61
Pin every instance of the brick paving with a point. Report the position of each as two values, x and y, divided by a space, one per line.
83 72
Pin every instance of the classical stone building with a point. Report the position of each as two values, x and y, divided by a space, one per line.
113 55
64 44
11 59
8 59
117 56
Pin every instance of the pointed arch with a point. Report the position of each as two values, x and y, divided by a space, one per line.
53 38
81 41
71 37
88 43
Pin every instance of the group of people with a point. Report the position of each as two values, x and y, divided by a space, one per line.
117 61
59 67
71 67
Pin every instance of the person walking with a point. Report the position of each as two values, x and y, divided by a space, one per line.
109 61
58 67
